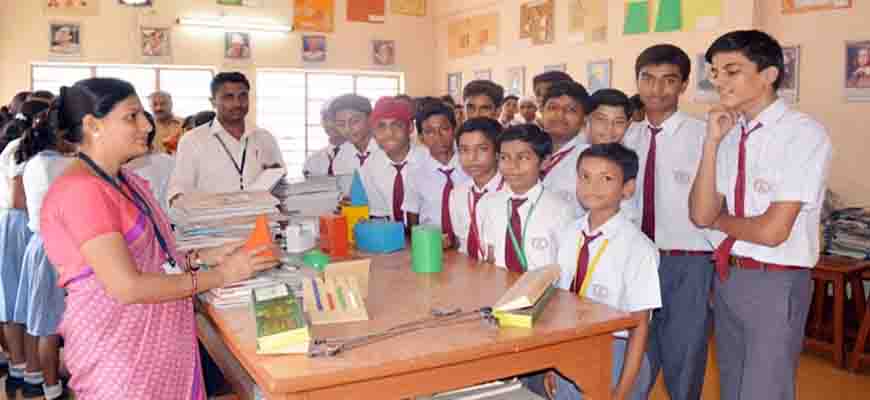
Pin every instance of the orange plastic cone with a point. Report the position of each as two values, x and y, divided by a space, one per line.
260 236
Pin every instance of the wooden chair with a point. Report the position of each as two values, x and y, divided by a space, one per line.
859 353
839 271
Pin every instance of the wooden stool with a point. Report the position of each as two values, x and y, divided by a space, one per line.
839 271
858 353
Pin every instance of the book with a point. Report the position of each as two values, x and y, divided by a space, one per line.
526 291
525 317
281 324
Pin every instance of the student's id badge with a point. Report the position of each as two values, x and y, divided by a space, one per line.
171 268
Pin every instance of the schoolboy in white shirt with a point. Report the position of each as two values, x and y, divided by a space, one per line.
322 162
476 140
385 175
482 98
437 174
769 165
668 143
351 113
564 115
606 258
518 225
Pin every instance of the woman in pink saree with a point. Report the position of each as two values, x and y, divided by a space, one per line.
129 323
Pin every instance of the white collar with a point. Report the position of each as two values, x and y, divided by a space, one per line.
608 229
215 128
670 125
533 193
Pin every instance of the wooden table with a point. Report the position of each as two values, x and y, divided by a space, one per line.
573 336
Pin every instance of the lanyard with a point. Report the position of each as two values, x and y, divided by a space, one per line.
239 169
137 200
591 269
519 247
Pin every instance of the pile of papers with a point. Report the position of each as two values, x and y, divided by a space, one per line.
211 219
847 233
239 294
312 197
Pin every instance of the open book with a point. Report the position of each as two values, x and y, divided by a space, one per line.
526 291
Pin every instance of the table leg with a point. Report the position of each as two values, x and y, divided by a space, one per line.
818 307
857 294
860 342
839 305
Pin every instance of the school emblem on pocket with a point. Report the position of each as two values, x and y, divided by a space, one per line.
540 243
682 177
599 291
762 186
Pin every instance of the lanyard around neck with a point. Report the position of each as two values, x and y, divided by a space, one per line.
519 246
239 168
136 199
591 269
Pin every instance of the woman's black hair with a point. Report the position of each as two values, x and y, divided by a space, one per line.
532 134
21 125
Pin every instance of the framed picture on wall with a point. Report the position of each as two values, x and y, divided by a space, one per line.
313 48
136 3
237 45
556 67
483 74
598 74
154 43
790 84
384 52
454 85
65 39
857 74
516 81
800 6
705 92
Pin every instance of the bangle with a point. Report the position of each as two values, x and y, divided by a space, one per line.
197 261
193 282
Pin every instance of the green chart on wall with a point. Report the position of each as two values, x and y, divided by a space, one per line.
636 16
644 16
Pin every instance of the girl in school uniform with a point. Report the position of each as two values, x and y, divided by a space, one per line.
40 301
14 236
518 225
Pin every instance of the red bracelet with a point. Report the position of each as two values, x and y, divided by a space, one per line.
193 282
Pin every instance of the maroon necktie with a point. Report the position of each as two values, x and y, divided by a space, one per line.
723 252
511 257
446 224
398 193
551 162
648 223
330 171
583 262
473 234
362 158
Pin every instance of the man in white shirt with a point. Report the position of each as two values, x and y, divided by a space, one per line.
482 98
477 141
564 115
769 165
226 154
351 113
322 162
385 175
437 174
510 111
668 143
519 225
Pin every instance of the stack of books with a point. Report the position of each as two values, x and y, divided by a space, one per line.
281 324
311 197
524 302
239 294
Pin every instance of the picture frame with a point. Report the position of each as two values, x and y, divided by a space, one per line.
384 52
454 85
556 67
483 74
136 3
803 6
155 42
237 45
64 39
516 81
705 92
856 80
314 48
789 87
599 75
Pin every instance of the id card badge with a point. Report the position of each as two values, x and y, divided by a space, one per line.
171 268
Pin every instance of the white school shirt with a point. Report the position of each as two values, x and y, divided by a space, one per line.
460 208
626 277
378 175
787 159
428 182
347 161
562 178
678 155
202 165
9 169
317 164
156 168
39 172
541 227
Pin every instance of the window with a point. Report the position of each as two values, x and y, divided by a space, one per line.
189 87
289 102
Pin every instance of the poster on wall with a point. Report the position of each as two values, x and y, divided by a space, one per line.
454 85
556 67
483 74
313 15
415 8
516 81
536 21
473 35
598 75
237 45
313 48
588 21
705 92
136 3
65 39
241 3
155 43
71 8
790 84
801 6
643 16
371 11
384 52
857 77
